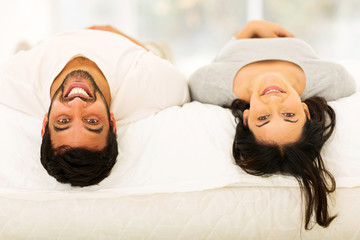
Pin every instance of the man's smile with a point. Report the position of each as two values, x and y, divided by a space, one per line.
78 90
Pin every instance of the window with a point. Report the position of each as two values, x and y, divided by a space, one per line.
194 29
197 29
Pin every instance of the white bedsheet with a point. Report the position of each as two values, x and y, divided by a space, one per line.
185 151
179 149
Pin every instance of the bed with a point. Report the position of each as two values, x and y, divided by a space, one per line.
174 179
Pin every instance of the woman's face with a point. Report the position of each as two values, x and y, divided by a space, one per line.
276 113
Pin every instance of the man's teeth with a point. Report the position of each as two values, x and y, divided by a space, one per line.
78 91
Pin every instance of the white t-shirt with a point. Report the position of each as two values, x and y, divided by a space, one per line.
140 82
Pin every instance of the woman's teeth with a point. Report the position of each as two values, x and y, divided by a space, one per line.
272 90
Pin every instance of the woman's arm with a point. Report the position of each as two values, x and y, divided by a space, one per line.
263 29
114 30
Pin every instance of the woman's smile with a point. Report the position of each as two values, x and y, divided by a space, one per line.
271 90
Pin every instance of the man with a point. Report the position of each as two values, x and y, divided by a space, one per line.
96 79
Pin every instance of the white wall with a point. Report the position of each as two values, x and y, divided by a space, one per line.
33 20
28 20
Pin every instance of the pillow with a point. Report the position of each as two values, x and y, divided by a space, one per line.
179 149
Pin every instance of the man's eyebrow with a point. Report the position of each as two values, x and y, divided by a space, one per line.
57 129
97 131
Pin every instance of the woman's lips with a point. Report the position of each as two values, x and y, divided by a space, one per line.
272 89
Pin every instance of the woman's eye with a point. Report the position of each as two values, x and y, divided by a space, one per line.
92 121
289 114
263 118
63 120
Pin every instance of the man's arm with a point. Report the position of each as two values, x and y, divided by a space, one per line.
263 29
114 30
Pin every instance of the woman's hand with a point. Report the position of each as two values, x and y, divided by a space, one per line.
263 29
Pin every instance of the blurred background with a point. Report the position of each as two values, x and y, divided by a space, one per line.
195 30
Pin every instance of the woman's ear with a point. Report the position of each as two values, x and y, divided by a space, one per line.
307 112
113 122
245 117
45 121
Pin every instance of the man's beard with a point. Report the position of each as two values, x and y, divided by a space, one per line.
85 75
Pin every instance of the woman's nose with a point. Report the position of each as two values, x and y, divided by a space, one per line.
273 99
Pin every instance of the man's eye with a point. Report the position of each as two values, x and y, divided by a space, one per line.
64 120
263 118
289 114
91 121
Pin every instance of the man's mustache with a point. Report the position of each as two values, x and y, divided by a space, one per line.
69 99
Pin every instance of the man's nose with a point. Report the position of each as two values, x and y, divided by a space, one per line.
77 102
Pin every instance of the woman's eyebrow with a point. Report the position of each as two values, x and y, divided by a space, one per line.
292 121
286 120
263 124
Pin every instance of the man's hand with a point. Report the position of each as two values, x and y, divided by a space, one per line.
263 29
109 28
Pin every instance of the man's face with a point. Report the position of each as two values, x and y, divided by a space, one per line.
78 115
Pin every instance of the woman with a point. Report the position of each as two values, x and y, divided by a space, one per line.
277 89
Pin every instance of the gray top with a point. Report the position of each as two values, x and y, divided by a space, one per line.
213 83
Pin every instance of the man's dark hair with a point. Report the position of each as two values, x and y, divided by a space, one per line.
301 159
78 166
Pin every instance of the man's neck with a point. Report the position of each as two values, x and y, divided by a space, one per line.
86 65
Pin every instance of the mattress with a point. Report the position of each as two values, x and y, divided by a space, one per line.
174 179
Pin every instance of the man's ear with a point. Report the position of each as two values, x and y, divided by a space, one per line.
245 117
307 112
45 121
113 122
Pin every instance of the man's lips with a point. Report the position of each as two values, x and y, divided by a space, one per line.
271 90
78 85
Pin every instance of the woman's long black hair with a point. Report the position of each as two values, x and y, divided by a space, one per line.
301 159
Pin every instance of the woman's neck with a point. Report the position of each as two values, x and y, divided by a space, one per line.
255 76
